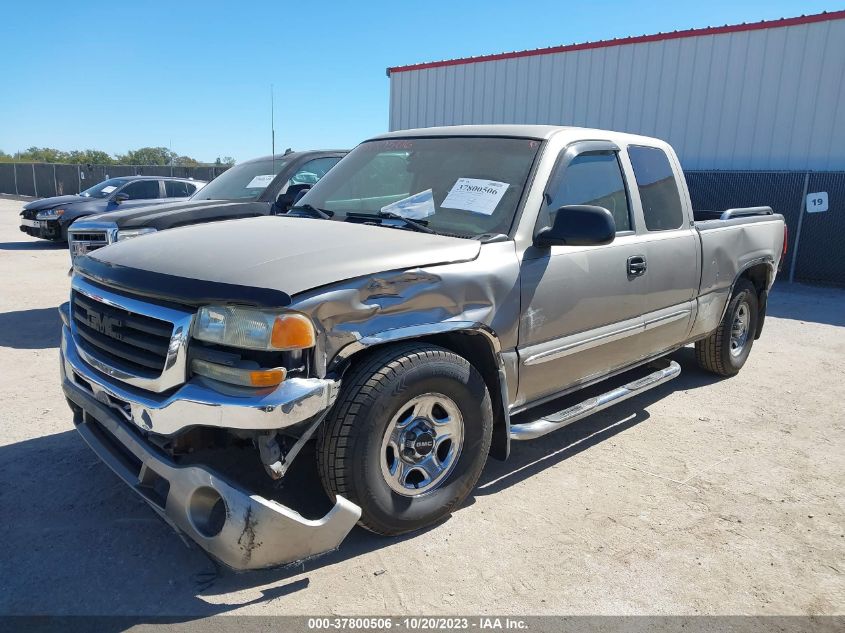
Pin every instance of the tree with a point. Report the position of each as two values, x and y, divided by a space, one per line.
42 155
185 161
147 156
89 156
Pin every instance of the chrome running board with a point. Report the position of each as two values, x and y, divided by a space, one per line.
553 422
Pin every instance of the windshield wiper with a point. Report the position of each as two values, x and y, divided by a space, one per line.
314 211
417 226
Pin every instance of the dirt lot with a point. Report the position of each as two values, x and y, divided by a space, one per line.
702 496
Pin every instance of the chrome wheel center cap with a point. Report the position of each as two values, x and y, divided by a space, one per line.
419 441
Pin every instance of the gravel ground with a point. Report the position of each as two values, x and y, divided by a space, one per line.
704 496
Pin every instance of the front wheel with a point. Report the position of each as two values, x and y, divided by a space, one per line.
407 438
725 351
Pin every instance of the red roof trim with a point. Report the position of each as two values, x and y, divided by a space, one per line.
712 30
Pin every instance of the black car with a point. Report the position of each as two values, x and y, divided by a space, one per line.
49 218
262 186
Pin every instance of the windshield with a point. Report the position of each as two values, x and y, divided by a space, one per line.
246 181
104 189
464 186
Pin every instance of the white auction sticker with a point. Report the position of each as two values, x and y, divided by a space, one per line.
108 189
817 202
416 207
473 194
259 182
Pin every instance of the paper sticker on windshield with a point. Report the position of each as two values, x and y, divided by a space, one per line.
108 189
416 207
259 182
473 194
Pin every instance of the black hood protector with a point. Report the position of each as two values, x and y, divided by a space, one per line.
174 289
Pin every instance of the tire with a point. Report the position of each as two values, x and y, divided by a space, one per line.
720 353
355 447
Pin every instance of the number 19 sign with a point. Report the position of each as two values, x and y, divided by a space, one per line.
817 202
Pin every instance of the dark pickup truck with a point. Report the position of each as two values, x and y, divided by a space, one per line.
262 186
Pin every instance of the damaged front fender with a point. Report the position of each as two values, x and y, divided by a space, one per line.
481 296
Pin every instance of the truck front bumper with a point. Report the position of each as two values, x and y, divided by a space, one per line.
197 402
241 529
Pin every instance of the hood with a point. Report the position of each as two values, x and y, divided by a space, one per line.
286 255
49 203
173 214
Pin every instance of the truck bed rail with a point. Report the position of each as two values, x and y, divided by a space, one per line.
730 214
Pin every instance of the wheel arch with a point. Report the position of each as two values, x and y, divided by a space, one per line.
475 342
761 273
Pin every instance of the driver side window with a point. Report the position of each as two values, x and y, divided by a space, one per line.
593 178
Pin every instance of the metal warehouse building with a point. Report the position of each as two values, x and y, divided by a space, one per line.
755 111
767 95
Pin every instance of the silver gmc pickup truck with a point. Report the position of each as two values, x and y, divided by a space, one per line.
435 283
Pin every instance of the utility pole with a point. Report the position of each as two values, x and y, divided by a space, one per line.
272 129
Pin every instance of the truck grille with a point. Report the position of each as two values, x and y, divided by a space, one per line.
84 243
134 343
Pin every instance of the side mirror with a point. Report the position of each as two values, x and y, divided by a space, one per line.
289 198
579 225
120 197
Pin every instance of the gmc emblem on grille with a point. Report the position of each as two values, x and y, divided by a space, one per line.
78 248
105 325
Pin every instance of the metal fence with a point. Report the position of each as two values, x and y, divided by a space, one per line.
43 180
816 253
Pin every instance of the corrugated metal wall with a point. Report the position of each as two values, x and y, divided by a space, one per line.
772 98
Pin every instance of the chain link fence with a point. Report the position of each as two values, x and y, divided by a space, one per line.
43 180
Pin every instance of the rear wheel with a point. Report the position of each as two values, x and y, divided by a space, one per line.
407 438
725 351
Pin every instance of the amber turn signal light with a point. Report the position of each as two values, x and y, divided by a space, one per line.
267 377
292 331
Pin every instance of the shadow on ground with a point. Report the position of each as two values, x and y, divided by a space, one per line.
40 245
39 328
807 303
84 544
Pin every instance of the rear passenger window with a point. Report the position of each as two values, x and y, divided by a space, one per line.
593 178
141 190
658 189
176 189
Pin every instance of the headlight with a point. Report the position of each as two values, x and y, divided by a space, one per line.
128 234
49 214
248 328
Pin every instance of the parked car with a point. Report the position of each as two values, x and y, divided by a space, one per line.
49 218
435 283
262 186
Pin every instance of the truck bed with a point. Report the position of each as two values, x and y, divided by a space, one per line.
731 242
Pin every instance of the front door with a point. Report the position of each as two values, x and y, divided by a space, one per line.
582 306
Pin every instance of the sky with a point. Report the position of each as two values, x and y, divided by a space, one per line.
196 76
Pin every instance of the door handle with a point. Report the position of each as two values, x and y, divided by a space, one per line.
636 266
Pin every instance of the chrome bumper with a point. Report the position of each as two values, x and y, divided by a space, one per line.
197 404
242 530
